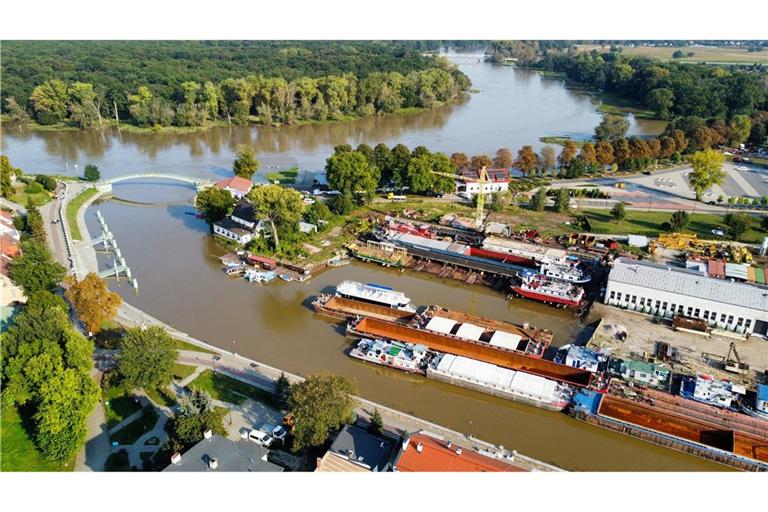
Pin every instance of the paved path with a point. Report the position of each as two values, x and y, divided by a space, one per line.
10 205
97 448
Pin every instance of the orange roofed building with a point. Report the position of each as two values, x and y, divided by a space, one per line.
236 185
423 452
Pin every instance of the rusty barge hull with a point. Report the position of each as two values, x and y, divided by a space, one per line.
376 328
538 339
684 427
340 308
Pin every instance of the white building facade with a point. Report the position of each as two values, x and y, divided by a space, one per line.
667 291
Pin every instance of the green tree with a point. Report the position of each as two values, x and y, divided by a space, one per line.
66 399
498 201
93 302
34 224
282 392
351 173
281 207
737 224
741 127
612 127
562 200
539 200
246 164
661 100
320 403
16 112
376 426
6 184
381 158
341 204
147 357
214 204
707 171
49 101
91 173
35 270
679 221
618 212
196 415
400 157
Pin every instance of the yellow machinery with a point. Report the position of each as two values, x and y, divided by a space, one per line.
479 213
695 247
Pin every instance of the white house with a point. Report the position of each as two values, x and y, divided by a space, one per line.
232 230
468 182
236 185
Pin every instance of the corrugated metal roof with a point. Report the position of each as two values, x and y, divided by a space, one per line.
762 391
470 332
736 270
505 340
440 324
685 282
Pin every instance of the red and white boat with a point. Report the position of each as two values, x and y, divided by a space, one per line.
544 289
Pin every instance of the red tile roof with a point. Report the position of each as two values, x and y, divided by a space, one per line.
6 217
236 183
435 456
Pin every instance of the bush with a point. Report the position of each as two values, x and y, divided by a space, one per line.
46 181
34 188
341 204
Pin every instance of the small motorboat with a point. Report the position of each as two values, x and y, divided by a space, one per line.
286 277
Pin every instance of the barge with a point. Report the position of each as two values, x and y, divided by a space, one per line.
368 327
383 253
502 382
527 340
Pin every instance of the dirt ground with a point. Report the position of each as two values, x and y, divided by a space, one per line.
642 334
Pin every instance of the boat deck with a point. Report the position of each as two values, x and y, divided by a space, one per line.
349 308
542 338
373 327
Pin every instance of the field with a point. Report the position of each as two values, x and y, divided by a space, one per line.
72 207
648 224
712 55
227 389
285 177
17 450
21 197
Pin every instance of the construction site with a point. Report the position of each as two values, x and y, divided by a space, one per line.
632 335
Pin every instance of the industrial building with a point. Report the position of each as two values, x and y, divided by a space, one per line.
668 291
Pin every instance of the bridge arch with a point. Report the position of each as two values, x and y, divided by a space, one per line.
199 183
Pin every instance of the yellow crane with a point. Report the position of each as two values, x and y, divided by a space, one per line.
483 177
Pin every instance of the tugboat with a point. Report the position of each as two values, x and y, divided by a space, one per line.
544 289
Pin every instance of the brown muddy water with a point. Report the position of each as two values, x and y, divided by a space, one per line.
181 283
511 108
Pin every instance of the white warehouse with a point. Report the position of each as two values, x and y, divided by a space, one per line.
669 291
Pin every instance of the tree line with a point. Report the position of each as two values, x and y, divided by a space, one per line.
195 97
669 89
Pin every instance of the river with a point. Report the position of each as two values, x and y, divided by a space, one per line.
181 282
511 108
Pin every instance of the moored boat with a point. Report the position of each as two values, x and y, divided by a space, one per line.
543 289
402 356
375 294
570 273
502 382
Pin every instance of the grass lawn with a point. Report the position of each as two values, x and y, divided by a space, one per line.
17 449
21 197
162 396
134 430
182 371
73 206
183 345
648 223
714 55
227 389
285 177
121 404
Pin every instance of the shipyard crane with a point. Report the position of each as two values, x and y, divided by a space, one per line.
483 177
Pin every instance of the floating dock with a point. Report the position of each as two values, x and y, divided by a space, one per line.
376 328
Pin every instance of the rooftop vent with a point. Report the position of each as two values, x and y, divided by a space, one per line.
175 458
213 463
350 454
207 434
450 445
405 444
419 447
458 451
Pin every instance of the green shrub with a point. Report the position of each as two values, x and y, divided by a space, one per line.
34 188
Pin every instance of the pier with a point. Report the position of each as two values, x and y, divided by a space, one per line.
119 266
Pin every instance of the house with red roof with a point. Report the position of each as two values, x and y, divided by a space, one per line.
422 452
236 185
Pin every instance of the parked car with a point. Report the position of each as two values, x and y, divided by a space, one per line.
276 431
260 438
718 232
